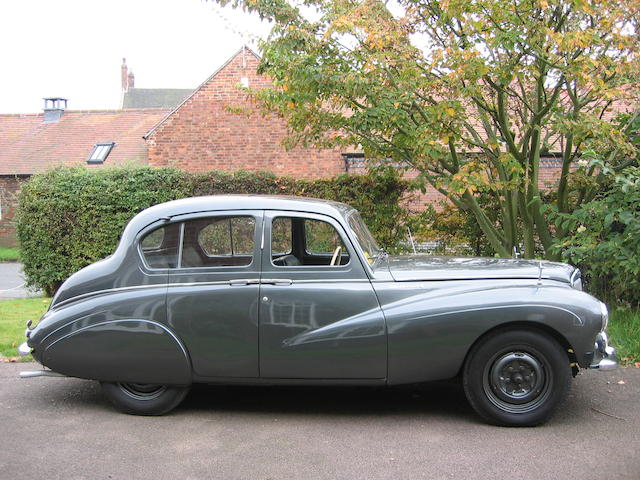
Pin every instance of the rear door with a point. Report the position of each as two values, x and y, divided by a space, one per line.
212 300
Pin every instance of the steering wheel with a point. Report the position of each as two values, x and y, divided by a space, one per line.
336 255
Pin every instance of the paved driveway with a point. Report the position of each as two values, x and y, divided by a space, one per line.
12 282
63 428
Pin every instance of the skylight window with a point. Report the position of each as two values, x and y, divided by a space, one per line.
100 152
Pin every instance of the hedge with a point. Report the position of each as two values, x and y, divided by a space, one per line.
69 217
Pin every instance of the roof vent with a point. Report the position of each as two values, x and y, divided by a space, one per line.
53 108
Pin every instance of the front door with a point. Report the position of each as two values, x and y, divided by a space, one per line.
212 300
319 315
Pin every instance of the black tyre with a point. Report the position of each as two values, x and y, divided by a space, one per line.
142 398
516 377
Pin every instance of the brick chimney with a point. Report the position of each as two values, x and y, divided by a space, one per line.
53 109
124 75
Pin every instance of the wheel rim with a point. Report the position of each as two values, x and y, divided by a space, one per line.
517 381
142 391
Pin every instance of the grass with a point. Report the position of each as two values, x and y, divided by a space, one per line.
9 254
13 318
624 334
624 328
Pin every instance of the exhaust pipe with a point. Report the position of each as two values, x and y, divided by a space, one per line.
40 373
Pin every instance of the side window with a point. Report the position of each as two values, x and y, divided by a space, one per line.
218 242
160 246
306 242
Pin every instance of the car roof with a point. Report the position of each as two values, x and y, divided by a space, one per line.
215 203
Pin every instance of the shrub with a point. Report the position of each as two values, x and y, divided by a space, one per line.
605 240
70 217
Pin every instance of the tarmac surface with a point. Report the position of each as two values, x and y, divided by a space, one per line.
63 428
12 283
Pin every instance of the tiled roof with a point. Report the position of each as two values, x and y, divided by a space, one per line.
154 97
27 145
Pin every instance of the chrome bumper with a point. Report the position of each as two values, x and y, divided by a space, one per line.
25 349
604 355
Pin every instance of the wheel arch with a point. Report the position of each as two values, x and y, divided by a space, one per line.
531 326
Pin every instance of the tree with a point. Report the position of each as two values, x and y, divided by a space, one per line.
471 93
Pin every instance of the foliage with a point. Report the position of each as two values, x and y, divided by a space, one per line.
13 319
70 217
624 332
9 254
471 94
453 231
604 239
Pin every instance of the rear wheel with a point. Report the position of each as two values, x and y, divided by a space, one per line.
144 398
516 377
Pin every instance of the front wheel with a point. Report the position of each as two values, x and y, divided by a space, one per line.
143 398
516 377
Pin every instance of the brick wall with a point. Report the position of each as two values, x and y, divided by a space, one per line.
416 201
9 189
203 134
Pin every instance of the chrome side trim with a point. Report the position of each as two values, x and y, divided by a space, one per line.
108 290
497 307
194 284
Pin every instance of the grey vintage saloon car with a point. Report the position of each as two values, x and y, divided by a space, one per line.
281 290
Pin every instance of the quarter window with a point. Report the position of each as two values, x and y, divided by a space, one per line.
160 246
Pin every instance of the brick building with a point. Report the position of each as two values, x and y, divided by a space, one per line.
205 131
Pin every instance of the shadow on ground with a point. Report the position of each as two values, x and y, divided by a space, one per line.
439 399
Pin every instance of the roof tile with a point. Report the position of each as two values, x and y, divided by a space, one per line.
27 145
